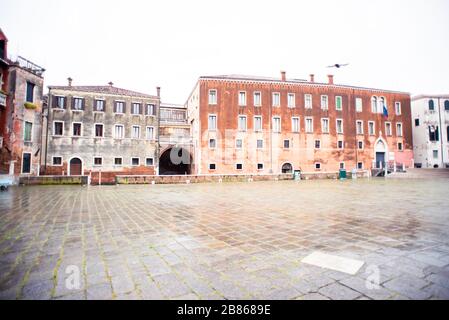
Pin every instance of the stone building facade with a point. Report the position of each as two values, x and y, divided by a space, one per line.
259 125
430 120
22 119
101 131
4 105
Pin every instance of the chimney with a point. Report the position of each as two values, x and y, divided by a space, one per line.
158 90
70 81
331 79
111 84
312 78
283 76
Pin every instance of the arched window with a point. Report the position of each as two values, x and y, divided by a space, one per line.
380 105
374 104
431 105
446 105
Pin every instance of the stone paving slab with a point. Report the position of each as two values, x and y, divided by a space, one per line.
225 241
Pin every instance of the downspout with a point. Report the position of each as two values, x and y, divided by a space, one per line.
441 134
46 135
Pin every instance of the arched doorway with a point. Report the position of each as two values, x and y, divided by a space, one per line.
75 167
175 161
380 153
287 168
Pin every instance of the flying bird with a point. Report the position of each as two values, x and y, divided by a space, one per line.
338 65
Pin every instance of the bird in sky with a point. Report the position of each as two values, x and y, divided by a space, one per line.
338 65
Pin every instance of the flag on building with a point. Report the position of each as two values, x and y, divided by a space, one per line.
385 111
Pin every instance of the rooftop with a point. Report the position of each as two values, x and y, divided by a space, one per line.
104 90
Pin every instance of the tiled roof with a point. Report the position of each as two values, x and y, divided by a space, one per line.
104 90
249 78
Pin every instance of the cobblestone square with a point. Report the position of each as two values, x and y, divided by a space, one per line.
225 241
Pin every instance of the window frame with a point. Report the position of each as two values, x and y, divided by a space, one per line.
307 100
399 133
261 123
289 95
212 103
273 100
121 162
97 165
315 144
95 130
95 105
54 128
341 103
146 162
53 161
324 98
146 133
280 124
254 98
116 104
115 131
342 126
388 134
242 103
81 129
138 162
208 121
297 118
322 126
398 111
374 128
358 103
311 124
24 131
139 131
239 117
357 132
210 145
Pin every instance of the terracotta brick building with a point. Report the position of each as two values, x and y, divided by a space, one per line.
251 125
101 131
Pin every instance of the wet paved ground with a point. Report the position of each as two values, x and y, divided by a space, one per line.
225 241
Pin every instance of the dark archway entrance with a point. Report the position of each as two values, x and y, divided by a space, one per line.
175 161
76 167
287 168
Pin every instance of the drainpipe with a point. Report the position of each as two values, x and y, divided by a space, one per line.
441 133
46 135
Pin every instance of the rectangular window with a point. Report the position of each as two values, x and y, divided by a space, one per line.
434 134
339 126
98 161
371 128
308 101
135 162
276 99
435 154
324 102
325 125
28 130
136 132
400 146
259 144
150 110
118 161
119 107
76 131
416 122
257 99
342 165
358 105
260 166
99 130
317 166
360 145
57 161
309 125
239 144
212 143
397 108
58 128
99 106
317 144
212 125
78 104
388 129
60 102
212 96
277 124
30 92
239 166
360 165
242 123
338 103
212 166
135 108
119 131
257 123
295 124
399 129
149 162
340 144
359 127
150 133
291 100
286 144
26 163
242 98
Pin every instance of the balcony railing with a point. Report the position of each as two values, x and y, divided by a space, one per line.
184 140
30 66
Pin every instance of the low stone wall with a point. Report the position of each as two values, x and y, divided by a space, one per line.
129 179
334 175
54 180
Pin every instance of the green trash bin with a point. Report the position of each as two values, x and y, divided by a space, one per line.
297 175
342 174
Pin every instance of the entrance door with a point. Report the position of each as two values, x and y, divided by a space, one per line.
76 167
26 163
287 168
380 159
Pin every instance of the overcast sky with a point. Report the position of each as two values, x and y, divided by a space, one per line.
400 45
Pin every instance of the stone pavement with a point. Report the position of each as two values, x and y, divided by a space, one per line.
225 241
